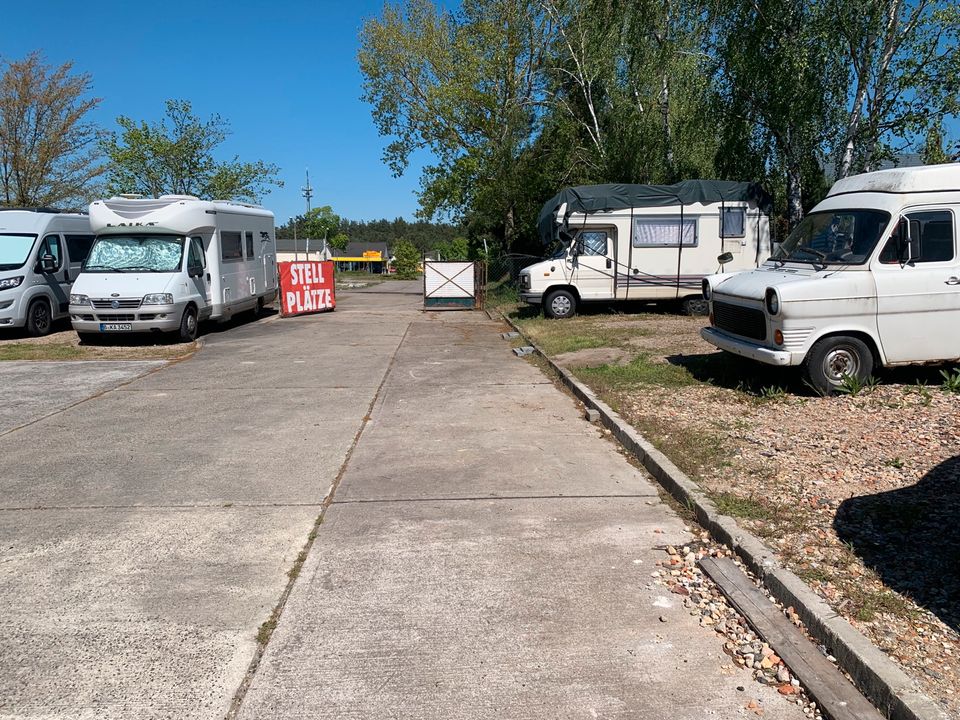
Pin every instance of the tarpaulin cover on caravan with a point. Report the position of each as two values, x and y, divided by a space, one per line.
617 196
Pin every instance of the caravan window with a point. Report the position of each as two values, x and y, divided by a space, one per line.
734 222
592 242
231 246
249 238
664 232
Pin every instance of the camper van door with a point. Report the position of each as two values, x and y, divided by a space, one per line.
592 263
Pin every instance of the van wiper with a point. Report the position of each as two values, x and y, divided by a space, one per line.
99 268
816 253
138 268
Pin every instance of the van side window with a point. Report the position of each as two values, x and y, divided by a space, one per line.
734 222
51 246
664 232
231 246
78 247
249 238
936 238
592 242
196 257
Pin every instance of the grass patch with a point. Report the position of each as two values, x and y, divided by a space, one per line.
870 603
580 333
40 351
639 371
748 508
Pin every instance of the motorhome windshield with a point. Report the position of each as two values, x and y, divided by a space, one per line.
15 249
135 253
845 237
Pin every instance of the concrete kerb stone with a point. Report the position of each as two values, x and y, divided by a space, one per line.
874 674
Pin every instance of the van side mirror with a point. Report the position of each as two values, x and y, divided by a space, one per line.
194 271
724 258
908 240
48 263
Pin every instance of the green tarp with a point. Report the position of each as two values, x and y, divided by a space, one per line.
617 196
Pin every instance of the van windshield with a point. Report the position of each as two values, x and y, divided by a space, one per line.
15 249
846 237
135 253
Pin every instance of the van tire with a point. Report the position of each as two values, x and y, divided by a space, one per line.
39 318
560 304
833 357
694 305
258 308
189 324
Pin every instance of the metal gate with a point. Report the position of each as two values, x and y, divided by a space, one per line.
453 285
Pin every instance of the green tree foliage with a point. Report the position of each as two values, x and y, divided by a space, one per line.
319 223
406 259
456 249
176 156
48 150
339 241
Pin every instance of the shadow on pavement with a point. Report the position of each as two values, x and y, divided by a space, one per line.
172 338
911 538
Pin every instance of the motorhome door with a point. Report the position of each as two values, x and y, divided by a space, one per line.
592 264
197 270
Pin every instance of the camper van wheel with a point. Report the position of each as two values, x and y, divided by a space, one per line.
39 318
258 308
695 305
560 304
833 359
188 324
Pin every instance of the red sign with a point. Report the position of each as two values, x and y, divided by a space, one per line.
306 287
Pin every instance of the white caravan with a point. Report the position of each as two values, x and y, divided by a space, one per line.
644 242
871 277
165 264
41 251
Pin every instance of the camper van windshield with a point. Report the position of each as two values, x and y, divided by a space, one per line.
847 237
135 253
14 250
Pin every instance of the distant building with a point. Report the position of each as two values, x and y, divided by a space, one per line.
362 256
301 249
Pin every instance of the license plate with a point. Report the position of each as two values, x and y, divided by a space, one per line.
115 327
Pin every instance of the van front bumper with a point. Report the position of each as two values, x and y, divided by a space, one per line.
747 348
11 314
531 298
146 318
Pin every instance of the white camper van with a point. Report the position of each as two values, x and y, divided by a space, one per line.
871 277
644 242
41 251
165 264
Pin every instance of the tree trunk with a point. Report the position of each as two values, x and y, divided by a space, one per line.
667 135
509 229
794 194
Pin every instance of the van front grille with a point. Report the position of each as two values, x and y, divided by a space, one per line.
108 303
116 318
739 320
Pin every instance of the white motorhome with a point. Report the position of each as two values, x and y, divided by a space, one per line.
871 277
644 242
41 251
165 264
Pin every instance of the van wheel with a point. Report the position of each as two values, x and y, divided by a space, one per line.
39 318
694 305
258 308
188 324
832 359
560 304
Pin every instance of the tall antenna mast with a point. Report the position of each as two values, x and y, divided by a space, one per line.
307 191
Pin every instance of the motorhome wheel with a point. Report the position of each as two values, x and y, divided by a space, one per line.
39 318
188 325
833 359
695 305
560 304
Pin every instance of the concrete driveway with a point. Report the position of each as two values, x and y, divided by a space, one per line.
484 552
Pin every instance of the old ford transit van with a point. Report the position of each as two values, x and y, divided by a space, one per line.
41 251
871 277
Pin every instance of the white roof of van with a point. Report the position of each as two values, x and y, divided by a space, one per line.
175 213
34 222
927 178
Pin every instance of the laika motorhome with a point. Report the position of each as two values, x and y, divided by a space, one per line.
165 264
644 242
41 251
871 277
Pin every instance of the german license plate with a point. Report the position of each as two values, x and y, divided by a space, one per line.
115 327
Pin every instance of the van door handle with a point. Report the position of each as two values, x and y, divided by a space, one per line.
952 281
609 263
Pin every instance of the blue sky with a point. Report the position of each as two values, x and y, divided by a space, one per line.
284 74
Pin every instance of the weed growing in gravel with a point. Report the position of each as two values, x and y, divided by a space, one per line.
951 381
853 386
925 397
748 508
894 463
639 371
773 393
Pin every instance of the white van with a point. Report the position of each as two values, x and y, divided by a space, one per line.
644 242
41 251
871 277
165 264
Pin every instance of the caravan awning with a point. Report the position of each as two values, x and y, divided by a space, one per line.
617 196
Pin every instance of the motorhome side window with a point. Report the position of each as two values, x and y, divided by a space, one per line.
79 247
734 222
231 245
249 238
196 257
936 238
592 242
664 232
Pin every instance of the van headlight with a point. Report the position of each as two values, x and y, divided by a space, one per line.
158 299
11 282
79 299
773 301
706 289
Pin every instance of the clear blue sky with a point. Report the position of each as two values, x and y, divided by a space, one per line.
284 74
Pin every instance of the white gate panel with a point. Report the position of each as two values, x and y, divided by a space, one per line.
449 284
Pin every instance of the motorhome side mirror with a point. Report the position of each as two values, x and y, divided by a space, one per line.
195 271
48 263
724 258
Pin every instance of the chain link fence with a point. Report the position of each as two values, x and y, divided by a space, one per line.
503 277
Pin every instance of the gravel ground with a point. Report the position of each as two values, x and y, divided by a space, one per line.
857 494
